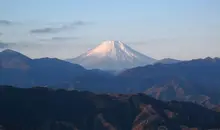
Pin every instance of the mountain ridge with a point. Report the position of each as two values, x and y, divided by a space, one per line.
167 61
22 71
194 77
47 109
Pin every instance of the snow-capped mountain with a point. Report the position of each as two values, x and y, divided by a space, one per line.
112 55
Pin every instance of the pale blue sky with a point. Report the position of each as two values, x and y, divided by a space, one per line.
182 29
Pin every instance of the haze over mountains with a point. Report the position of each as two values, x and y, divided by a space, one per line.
168 61
180 79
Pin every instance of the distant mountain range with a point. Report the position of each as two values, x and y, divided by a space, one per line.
112 55
21 71
195 80
167 61
179 81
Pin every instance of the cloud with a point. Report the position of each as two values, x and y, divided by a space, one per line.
59 39
79 23
4 45
46 30
64 38
137 43
11 45
6 23
1 34
64 27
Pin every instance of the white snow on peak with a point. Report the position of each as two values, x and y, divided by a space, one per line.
112 55
113 49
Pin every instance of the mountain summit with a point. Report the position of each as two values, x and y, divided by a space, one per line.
112 55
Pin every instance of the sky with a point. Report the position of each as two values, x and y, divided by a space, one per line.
180 29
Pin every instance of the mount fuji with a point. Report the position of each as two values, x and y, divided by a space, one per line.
112 55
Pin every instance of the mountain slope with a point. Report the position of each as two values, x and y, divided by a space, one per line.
112 55
21 71
196 77
13 59
46 109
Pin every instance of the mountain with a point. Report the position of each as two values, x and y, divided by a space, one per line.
174 91
112 55
13 59
196 80
195 77
41 108
167 61
22 71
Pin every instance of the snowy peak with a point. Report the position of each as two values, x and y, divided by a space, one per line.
107 48
112 55
115 50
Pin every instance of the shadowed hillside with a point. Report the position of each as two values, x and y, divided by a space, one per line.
46 109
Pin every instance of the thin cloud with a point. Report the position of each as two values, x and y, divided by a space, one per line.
59 39
47 30
6 23
4 45
64 38
17 45
137 43
1 34
65 27
79 23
